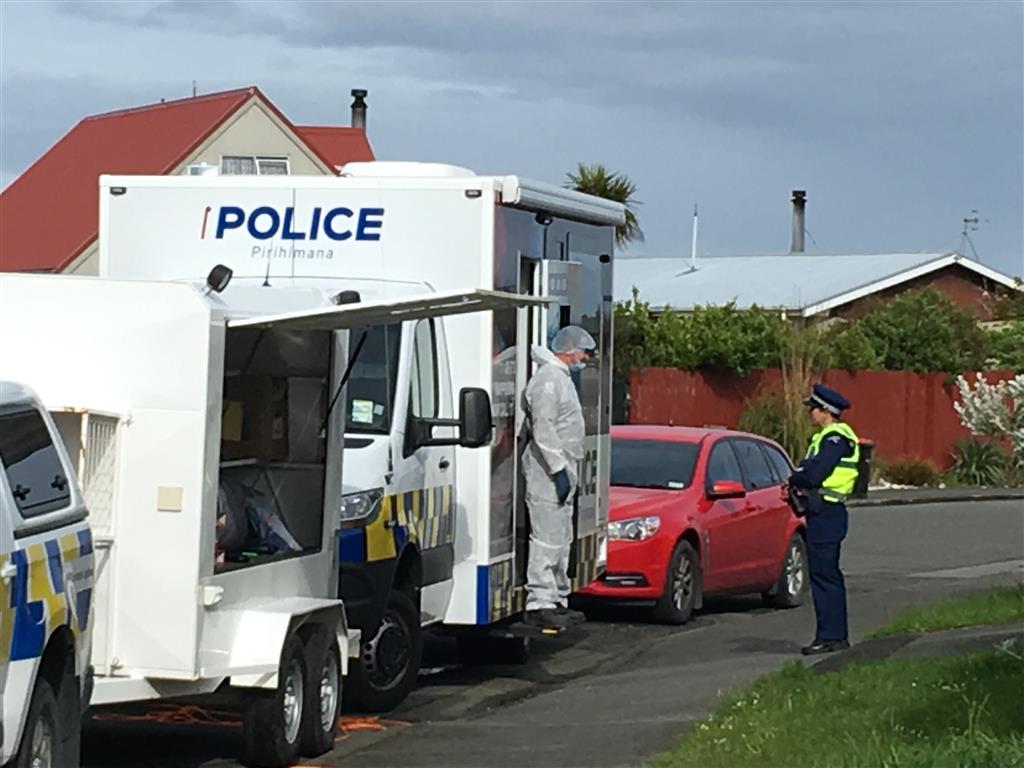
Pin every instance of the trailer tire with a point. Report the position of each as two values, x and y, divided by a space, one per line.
42 742
323 695
389 663
272 720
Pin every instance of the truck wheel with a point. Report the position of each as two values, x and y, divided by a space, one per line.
41 740
791 588
682 584
323 695
272 720
390 660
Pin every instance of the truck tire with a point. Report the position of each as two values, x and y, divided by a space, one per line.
682 586
389 663
41 741
323 695
790 589
272 720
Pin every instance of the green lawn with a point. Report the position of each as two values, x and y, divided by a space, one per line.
949 712
996 607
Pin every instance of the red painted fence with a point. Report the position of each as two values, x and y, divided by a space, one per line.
906 414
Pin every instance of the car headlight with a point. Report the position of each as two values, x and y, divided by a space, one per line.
634 529
361 508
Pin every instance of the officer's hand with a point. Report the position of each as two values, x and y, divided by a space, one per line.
562 485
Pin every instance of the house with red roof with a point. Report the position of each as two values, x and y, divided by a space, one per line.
49 215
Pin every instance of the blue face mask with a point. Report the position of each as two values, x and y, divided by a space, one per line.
577 367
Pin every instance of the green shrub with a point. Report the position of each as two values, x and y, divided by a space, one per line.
1006 347
911 470
765 414
924 331
979 462
852 350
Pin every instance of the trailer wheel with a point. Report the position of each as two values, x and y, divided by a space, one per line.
272 721
389 663
41 740
323 695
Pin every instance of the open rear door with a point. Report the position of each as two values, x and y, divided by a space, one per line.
393 311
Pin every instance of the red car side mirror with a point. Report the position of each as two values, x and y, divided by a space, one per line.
726 489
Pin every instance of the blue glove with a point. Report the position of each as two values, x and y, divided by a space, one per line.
562 485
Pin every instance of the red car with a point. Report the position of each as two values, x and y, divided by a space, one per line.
698 512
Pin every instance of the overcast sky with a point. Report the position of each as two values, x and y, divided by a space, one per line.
897 118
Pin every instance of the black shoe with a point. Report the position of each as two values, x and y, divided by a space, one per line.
546 618
824 646
576 617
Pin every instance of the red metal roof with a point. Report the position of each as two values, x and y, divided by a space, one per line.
338 145
50 214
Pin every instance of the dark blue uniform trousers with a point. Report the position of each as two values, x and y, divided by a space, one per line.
826 528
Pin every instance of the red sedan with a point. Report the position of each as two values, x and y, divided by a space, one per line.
698 512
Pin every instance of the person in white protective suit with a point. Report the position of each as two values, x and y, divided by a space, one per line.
551 469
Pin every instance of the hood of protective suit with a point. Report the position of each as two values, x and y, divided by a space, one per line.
544 356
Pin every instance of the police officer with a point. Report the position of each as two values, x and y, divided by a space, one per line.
827 476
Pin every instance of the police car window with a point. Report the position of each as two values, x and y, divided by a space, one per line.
371 386
423 400
34 472
755 465
722 464
778 461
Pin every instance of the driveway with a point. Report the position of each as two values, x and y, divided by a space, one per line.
624 689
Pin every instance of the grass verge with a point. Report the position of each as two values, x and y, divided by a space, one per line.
999 606
948 712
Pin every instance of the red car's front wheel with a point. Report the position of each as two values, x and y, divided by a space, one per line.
682 586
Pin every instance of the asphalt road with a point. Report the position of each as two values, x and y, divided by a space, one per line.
623 689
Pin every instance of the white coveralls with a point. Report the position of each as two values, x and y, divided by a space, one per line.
556 443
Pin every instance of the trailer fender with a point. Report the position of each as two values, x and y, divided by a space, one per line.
258 633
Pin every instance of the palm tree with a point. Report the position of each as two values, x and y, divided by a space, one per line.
599 181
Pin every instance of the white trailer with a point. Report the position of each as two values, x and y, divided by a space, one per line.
435 535
203 419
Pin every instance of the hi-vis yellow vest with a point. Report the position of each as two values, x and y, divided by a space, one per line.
839 484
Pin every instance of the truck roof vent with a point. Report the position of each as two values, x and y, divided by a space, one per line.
397 170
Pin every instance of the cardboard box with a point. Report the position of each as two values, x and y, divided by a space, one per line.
254 419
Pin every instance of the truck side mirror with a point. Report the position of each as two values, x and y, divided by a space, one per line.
475 425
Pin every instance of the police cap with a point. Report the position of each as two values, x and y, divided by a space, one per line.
828 399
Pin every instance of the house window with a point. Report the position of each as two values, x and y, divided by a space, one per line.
249 165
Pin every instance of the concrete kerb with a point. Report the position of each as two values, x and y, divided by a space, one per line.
889 498
949 642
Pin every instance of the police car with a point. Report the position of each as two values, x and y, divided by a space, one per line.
46 580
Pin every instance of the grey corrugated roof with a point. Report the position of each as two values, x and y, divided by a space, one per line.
796 282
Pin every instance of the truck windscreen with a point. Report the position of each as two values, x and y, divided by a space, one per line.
371 386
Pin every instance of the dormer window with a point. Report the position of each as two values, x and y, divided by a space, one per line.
250 165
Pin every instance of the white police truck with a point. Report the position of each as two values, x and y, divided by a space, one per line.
46 586
434 534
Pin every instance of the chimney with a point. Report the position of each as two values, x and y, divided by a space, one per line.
799 205
359 108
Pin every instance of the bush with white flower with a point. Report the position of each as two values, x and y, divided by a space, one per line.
996 411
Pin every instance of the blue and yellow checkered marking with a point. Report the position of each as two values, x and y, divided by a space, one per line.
425 517
498 597
34 603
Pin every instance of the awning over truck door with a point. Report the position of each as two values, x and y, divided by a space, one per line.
392 311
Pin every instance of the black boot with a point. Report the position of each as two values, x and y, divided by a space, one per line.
824 646
546 617
576 617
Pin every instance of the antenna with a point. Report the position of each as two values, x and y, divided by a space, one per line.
693 245
971 224
266 279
